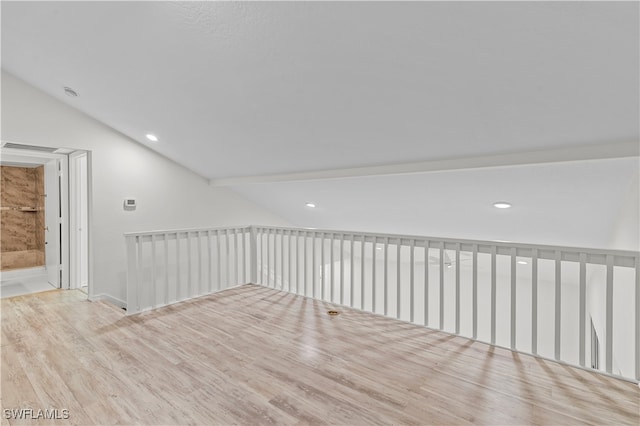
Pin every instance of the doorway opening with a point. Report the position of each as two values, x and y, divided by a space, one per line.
49 249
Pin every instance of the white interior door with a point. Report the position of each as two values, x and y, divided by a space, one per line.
79 219
52 221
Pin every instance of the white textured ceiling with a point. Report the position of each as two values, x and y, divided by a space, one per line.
238 89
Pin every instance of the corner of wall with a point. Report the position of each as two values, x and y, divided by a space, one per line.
625 234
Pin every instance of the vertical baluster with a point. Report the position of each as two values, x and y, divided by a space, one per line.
241 247
219 260
189 272
200 280
426 282
264 252
295 259
411 278
244 255
558 304
493 295
386 276
398 280
474 290
272 258
306 273
373 274
637 317
609 316
332 269
351 271
166 268
298 262
314 290
342 269
534 301
323 279
236 257
282 259
260 244
153 271
264 247
457 288
269 257
583 308
290 261
513 304
209 263
303 266
362 272
228 263
179 274
275 259
441 324
141 281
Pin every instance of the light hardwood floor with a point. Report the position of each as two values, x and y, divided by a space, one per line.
253 355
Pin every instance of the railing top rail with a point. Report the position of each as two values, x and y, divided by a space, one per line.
173 231
595 251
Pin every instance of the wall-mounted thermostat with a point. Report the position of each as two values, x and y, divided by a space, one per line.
129 203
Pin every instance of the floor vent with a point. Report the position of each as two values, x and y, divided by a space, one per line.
29 147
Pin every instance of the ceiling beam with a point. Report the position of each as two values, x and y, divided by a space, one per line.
575 153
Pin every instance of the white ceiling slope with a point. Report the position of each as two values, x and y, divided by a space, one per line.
571 204
240 89
268 92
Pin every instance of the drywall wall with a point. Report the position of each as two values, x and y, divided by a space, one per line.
168 195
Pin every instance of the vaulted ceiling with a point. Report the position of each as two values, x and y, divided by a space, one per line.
256 89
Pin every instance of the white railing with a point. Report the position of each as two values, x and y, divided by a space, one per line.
534 299
166 267
573 305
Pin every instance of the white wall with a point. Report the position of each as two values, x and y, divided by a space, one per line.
626 230
168 195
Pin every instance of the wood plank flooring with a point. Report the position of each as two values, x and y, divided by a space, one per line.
252 355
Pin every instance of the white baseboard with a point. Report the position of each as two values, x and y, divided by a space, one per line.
22 273
114 301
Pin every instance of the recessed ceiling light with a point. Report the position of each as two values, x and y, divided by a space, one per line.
311 205
70 92
152 138
522 262
501 205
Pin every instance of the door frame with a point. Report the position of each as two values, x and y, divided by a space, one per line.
18 156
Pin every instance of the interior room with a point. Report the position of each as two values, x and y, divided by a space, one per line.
320 212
